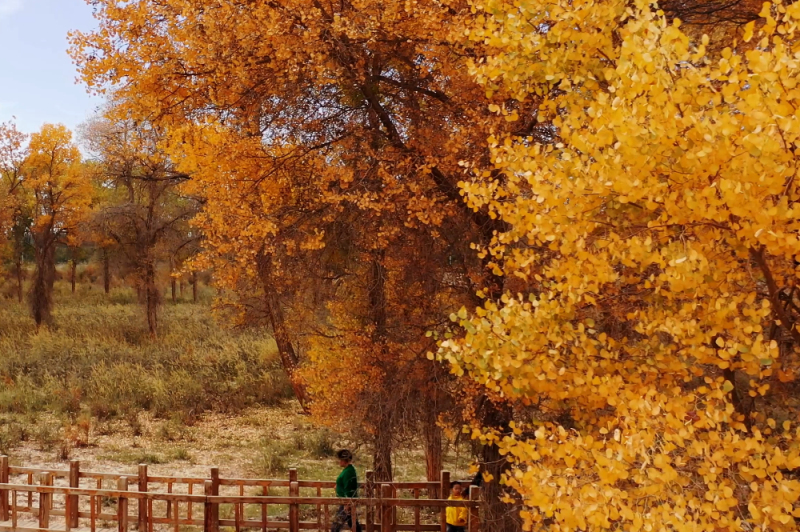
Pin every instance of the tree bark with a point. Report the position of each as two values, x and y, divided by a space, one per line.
498 515
73 273
151 295
194 287
106 271
280 331
18 267
433 447
383 425
382 449
41 296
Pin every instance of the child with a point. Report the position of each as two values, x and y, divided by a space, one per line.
456 517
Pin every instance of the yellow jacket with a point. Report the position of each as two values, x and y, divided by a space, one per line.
456 516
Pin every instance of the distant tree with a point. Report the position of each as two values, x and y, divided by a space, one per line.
59 192
144 211
15 218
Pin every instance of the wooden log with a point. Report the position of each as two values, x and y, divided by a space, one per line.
143 482
474 519
122 504
4 477
72 500
294 509
387 508
213 523
444 492
45 479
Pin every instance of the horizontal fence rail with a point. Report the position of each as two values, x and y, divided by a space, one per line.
46 499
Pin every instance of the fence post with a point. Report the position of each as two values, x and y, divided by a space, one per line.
387 508
213 519
72 500
142 504
369 494
45 479
294 509
474 522
122 505
444 492
4 476
207 506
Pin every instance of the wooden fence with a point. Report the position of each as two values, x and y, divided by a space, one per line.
41 499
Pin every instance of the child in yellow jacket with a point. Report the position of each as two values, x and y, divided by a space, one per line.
456 516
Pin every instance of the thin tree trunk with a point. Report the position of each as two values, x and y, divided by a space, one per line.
173 282
18 266
180 287
106 271
41 297
280 331
73 273
194 287
152 297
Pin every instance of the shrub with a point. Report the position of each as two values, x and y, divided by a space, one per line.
270 460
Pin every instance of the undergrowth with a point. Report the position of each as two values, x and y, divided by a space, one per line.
98 361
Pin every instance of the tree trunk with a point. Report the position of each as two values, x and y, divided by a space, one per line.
498 515
382 442
382 449
151 295
41 297
106 271
280 331
194 287
180 287
73 273
173 282
18 267
433 448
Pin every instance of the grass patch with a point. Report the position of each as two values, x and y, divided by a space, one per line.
99 359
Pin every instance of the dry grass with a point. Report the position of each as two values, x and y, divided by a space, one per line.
96 388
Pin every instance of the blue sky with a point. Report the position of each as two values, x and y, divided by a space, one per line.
37 77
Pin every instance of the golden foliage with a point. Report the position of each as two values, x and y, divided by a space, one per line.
657 239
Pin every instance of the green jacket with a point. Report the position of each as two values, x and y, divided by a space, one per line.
347 482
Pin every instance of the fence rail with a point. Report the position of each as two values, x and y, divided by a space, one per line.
49 500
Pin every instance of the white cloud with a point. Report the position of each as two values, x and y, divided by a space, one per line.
7 7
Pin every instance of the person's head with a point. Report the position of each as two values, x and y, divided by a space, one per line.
345 457
456 489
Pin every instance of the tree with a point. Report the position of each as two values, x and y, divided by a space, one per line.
144 212
14 220
652 342
60 194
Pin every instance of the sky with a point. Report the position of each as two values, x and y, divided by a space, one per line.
37 77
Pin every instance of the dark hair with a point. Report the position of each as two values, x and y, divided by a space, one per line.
344 454
454 484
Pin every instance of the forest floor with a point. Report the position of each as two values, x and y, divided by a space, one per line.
262 442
